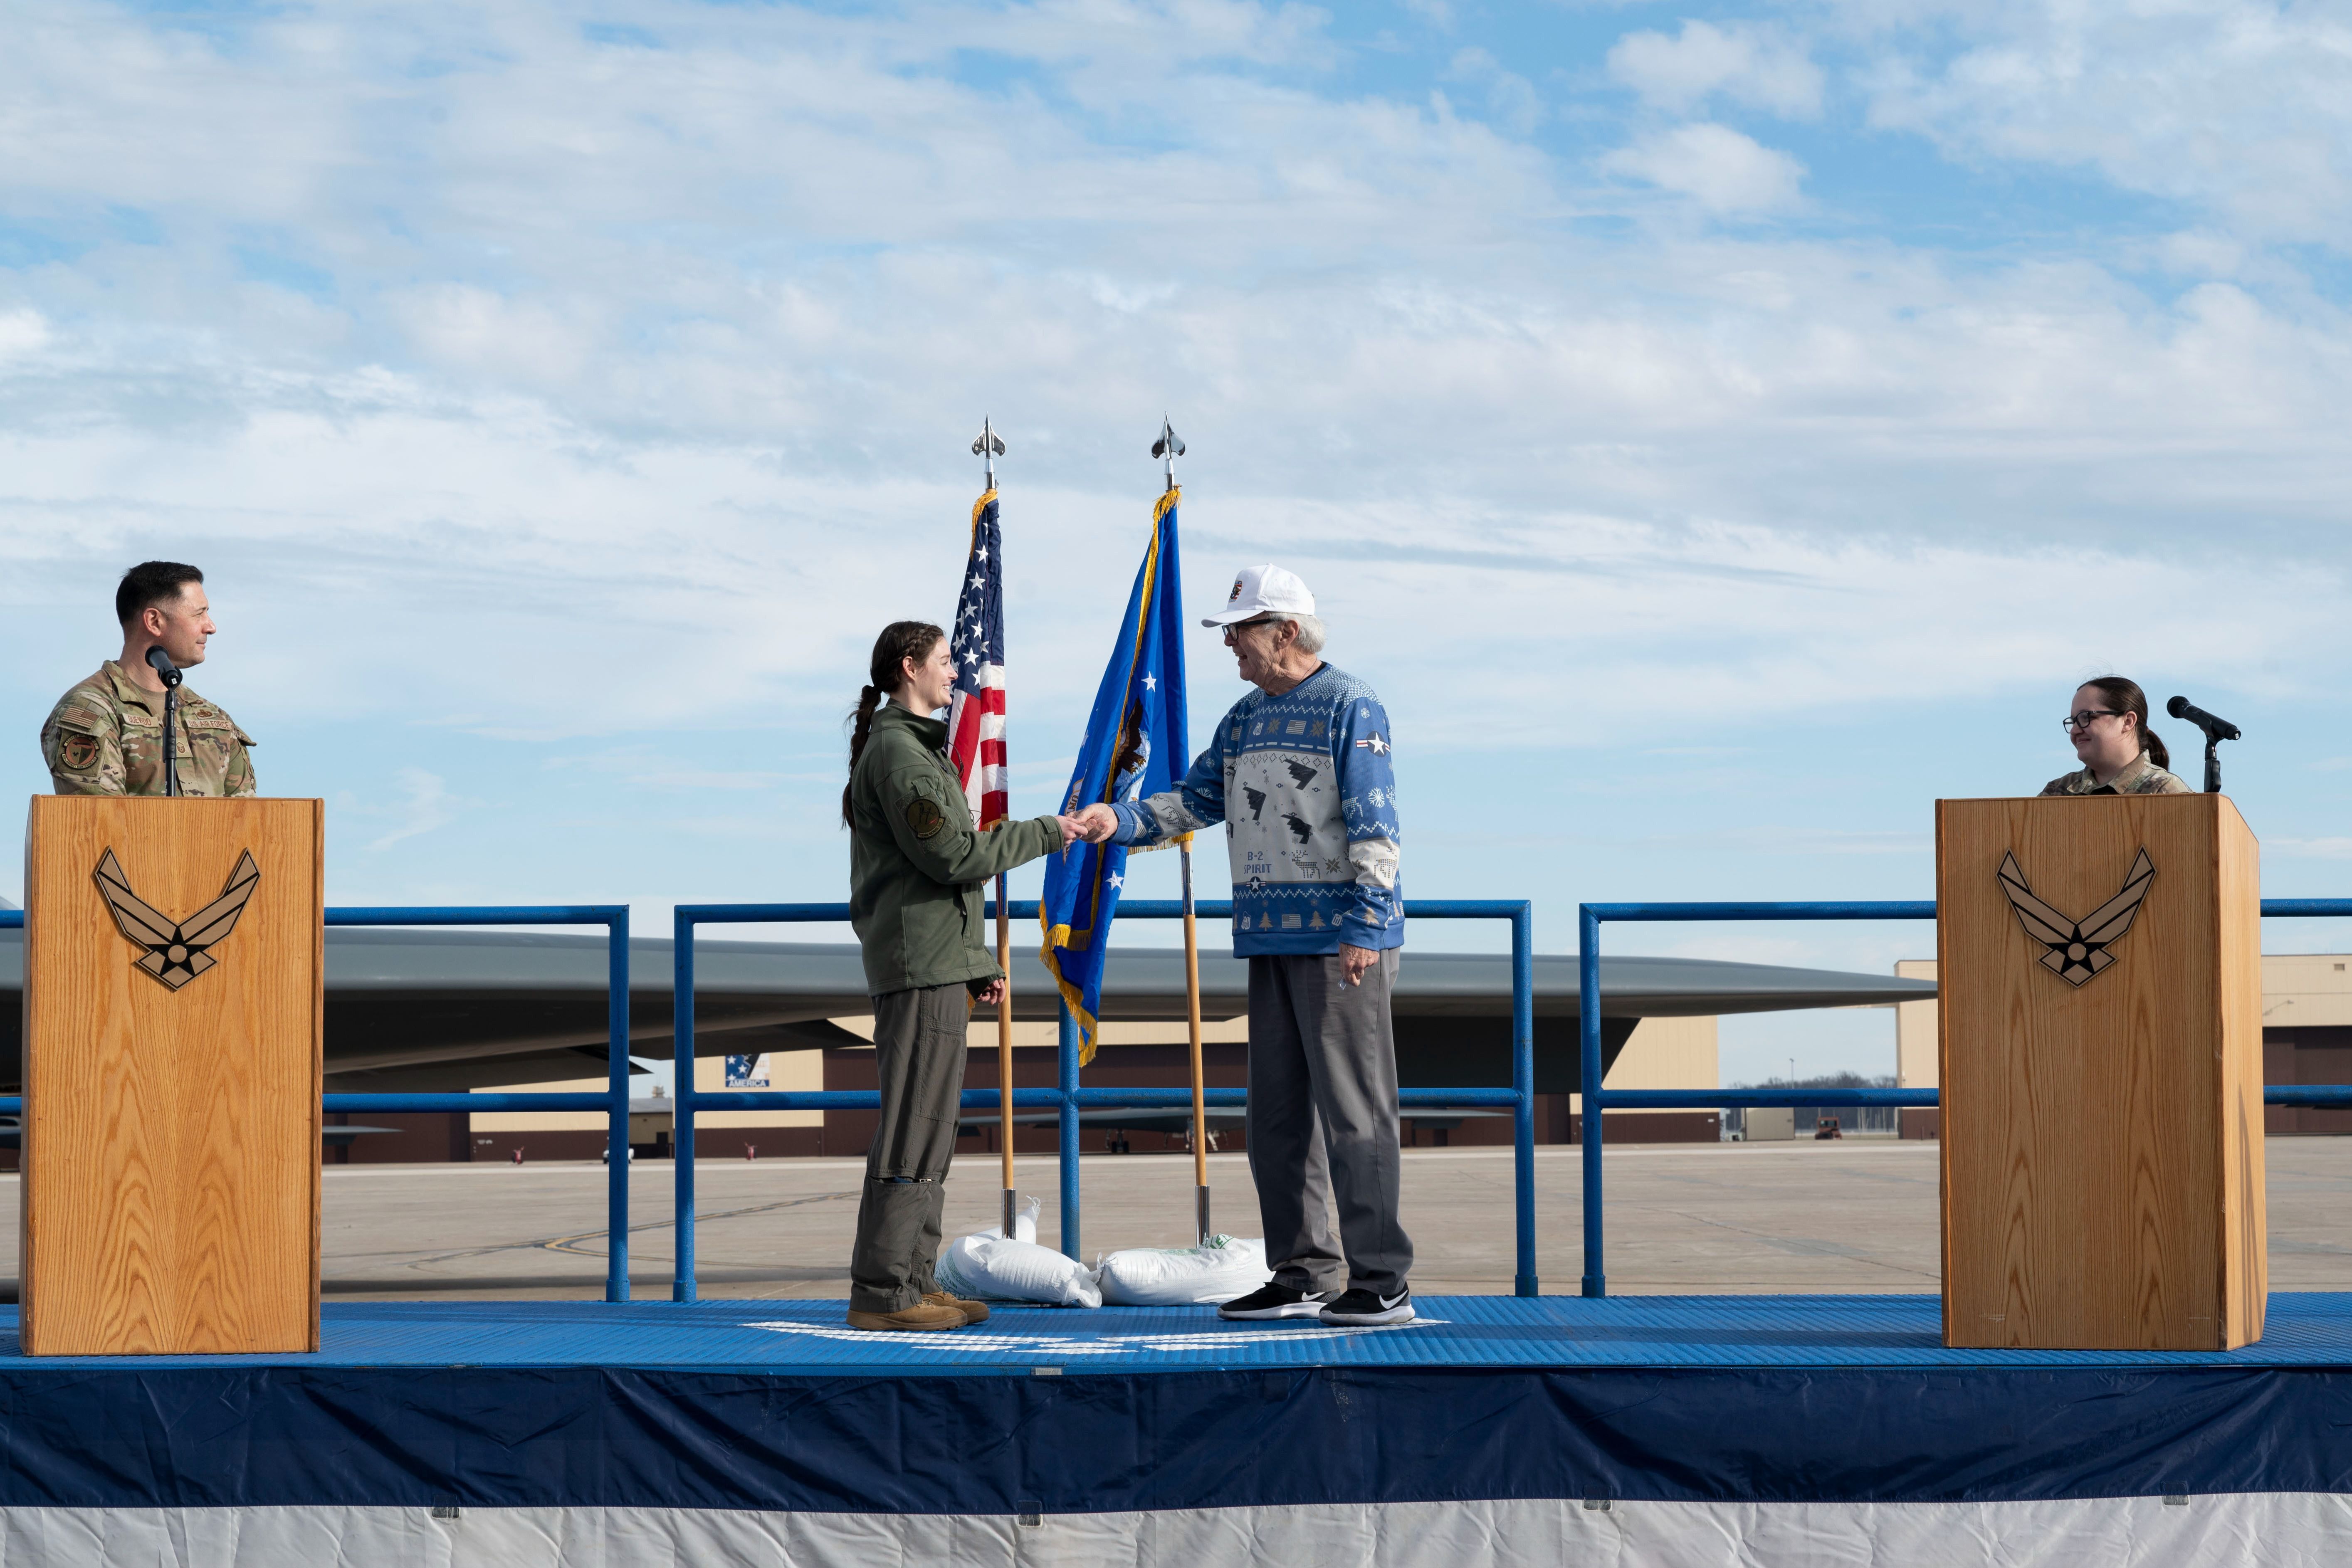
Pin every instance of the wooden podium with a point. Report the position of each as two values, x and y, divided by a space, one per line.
174 957
2100 987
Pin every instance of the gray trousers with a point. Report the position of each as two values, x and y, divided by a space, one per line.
1323 1122
918 1055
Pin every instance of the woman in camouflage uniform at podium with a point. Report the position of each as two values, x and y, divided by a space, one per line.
2120 754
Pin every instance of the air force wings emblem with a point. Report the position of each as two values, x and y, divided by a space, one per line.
2076 949
176 950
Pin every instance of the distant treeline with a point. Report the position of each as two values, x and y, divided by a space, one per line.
1849 1117
1824 1080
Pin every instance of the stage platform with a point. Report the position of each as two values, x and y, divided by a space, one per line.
1467 1334
1634 1430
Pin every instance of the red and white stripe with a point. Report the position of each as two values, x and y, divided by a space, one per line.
976 744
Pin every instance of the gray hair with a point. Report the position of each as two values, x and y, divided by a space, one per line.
1310 631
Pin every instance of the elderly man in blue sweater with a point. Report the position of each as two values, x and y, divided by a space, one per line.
1299 773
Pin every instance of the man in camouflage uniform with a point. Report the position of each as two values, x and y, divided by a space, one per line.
105 735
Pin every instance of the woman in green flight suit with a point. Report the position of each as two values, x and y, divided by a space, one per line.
917 871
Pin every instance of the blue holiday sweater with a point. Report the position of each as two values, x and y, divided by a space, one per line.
1303 784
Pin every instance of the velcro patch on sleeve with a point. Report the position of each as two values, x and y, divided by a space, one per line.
77 752
924 817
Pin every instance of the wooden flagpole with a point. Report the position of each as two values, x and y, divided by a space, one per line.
988 448
1005 1051
1200 1076
1168 449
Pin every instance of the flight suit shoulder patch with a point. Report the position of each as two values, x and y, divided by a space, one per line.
924 817
77 751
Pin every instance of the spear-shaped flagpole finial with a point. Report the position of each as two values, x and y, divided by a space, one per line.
1168 449
989 447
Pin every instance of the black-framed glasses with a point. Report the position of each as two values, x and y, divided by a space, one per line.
1233 626
2083 720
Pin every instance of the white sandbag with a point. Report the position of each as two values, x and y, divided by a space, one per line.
1226 1268
991 1268
1025 1221
987 1267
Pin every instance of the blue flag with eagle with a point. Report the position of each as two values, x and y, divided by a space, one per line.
1135 745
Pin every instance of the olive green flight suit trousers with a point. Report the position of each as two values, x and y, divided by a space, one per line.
918 1057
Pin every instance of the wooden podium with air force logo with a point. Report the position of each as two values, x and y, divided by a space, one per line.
174 964
2100 990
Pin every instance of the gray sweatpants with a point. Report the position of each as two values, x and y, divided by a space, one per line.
1323 1122
918 1057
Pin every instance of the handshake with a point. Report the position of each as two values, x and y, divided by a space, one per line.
1095 824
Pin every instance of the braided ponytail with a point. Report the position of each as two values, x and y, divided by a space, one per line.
886 672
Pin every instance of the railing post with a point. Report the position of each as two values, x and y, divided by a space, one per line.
1523 1084
616 1137
1070 1131
1588 1019
681 1114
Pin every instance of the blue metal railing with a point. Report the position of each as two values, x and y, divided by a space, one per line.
1598 1101
1068 1097
614 1101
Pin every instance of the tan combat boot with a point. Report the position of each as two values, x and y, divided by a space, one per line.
973 1311
924 1317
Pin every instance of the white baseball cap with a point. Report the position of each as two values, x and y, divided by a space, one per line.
1265 590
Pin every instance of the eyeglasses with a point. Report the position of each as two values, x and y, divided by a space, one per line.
2083 720
1244 625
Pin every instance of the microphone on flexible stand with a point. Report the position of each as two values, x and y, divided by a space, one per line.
2216 731
162 664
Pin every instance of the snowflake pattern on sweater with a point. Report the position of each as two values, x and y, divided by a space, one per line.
1304 786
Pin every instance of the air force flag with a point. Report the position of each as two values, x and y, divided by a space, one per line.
1134 746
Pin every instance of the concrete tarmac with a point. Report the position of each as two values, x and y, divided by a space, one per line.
1851 1215
1682 1219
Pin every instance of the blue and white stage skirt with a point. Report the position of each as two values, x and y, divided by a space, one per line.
1800 1433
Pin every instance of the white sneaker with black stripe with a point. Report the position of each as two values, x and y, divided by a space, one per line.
1272 1300
1369 1309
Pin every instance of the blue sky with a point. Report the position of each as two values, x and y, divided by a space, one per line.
1718 431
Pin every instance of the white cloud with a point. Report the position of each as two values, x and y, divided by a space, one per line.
1753 66
21 333
2240 107
2313 849
1512 102
2202 252
426 805
467 328
1722 170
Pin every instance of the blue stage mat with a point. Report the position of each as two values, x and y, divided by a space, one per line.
788 1337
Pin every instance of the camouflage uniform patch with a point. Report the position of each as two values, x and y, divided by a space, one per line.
106 737
2139 777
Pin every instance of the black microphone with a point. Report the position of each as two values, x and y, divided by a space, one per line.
2219 728
163 666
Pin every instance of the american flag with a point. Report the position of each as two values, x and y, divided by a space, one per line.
976 716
